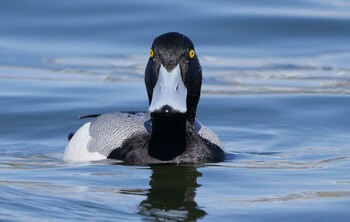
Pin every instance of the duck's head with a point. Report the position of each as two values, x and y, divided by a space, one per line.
173 76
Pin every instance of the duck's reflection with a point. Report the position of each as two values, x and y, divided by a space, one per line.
172 193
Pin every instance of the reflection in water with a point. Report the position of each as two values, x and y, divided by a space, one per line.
172 193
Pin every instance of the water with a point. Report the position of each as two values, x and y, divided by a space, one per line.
276 91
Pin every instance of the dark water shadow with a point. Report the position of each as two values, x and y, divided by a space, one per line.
172 194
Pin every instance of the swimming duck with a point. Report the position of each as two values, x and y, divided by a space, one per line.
169 131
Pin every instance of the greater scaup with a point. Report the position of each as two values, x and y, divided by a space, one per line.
169 131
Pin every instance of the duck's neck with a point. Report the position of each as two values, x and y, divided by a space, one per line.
168 137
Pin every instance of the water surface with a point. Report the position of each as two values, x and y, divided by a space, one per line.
276 90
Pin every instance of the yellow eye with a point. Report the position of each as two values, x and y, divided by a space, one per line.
191 54
151 53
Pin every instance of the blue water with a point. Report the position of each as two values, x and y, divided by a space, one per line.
276 91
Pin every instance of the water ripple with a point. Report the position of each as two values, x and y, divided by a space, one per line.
318 74
297 196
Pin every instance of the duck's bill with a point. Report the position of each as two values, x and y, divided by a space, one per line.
169 93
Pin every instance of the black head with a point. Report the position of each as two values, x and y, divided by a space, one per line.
173 76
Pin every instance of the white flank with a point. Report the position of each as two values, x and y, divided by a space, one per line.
169 90
77 149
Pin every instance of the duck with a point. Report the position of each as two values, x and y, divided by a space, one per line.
169 131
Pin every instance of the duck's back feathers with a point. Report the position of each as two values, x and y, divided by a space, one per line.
109 131
207 134
98 138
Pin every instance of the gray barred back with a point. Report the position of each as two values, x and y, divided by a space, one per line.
207 134
109 131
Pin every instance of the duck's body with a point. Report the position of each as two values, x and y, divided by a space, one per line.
168 132
126 137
